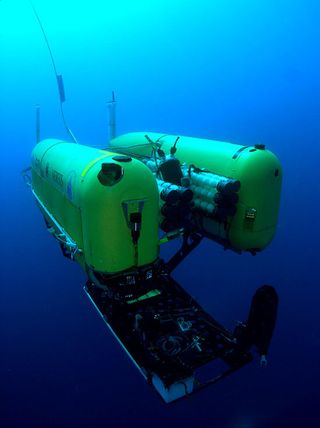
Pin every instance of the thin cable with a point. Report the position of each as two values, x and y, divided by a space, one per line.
58 77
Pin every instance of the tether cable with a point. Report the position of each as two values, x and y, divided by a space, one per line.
59 78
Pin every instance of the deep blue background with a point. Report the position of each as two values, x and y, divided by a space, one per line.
243 71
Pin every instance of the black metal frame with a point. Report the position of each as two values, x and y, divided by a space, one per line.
168 335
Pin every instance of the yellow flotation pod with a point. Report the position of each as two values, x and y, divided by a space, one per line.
257 169
106 204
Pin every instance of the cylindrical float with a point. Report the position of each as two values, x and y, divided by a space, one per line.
96 196
257 169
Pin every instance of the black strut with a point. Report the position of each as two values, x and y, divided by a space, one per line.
189 243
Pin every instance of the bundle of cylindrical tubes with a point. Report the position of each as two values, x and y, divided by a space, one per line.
215 195
176 204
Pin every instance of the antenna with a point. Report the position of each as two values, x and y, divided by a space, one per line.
37 124
112 117
59 79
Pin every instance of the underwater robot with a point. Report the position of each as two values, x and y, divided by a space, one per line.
111 211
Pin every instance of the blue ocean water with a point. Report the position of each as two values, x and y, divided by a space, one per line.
238 70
